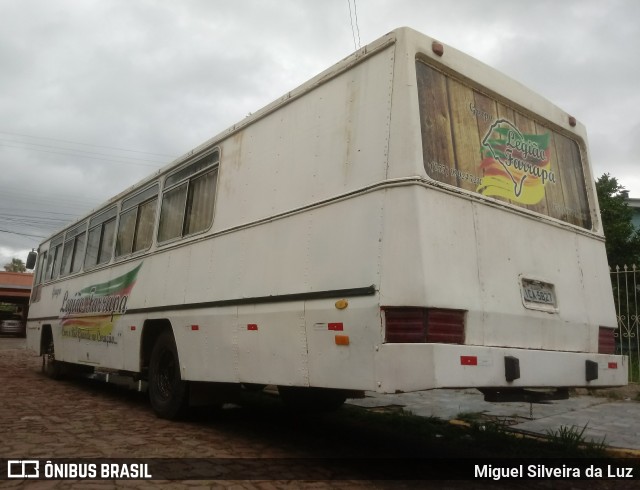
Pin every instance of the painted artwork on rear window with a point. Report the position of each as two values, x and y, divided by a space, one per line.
474 142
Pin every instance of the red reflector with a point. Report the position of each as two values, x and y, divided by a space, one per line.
338 327
133 327
468 360
445 326
606 340
252 326
613 365
195 327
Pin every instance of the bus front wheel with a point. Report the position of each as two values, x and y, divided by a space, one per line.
168 393
51 367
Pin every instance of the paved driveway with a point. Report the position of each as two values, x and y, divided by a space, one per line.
614 419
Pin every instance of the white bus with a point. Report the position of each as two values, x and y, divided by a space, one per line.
408 219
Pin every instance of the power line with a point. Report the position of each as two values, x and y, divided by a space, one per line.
8 212
32 222
87 144
22 234
355 12
83 156
27 221
2 141
356 28
42 201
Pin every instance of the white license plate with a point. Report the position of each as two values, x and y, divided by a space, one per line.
538 292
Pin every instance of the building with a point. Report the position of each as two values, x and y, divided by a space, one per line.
15 290
634 203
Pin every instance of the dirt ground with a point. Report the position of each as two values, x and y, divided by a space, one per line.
629 392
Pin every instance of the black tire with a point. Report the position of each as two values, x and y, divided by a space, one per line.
169 395
50 367
312 400
253 387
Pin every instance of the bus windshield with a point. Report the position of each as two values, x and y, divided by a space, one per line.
476 143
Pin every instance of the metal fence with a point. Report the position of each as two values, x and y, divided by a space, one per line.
626 294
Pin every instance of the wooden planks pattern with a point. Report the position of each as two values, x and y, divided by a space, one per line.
455 119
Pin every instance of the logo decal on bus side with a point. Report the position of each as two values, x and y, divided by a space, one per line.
92 312
516 165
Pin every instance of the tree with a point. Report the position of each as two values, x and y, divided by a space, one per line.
16 265
622 239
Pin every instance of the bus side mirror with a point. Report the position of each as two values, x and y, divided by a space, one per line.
31 260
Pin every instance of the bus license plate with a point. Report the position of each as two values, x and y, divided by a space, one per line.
538 292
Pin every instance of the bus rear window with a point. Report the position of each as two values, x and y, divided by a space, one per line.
476 143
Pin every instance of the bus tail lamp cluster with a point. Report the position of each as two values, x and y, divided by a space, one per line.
424 325
606 340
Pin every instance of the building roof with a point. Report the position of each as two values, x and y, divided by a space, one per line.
15 285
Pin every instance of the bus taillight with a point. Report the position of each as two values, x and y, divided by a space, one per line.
445 326
606 340
424 325
405 325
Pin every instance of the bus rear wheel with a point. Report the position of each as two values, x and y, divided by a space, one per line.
168 393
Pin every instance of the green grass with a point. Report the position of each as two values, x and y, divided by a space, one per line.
573 439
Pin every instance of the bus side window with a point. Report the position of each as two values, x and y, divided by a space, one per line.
54 259
137 220
187 204
73 251
40 276
40 268
145 223
101 235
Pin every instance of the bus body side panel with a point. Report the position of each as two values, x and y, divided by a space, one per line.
87 324
328 142
342 342
333 247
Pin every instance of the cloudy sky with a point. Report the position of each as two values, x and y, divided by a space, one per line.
96 94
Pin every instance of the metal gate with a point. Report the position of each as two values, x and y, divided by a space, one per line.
626 294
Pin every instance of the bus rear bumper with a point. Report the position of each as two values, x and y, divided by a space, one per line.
415 367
